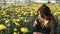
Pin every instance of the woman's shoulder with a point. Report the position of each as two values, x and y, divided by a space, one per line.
53 20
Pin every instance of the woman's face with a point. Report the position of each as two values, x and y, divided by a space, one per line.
41 14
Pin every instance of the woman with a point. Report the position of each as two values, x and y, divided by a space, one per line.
45 23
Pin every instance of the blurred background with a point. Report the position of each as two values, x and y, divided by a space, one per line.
17 16
24 2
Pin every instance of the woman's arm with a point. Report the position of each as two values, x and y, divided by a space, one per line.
53 27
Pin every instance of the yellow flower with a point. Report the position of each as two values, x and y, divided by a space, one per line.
31 12
15 29
8 24
58 17
21 17
36 13
24 30
25 13
15 33
31 15
14 20
17 24
2 27
6 21
3 13
56 13
22 12
18 20
16 9
25 20
7 15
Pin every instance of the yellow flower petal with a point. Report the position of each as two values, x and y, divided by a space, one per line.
15 29
15 33
24 30
2 27
17 24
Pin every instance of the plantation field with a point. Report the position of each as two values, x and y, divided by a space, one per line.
19 19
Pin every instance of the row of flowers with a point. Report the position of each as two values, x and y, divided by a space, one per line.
24 30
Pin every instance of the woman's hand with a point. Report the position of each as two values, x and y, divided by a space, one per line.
35 23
